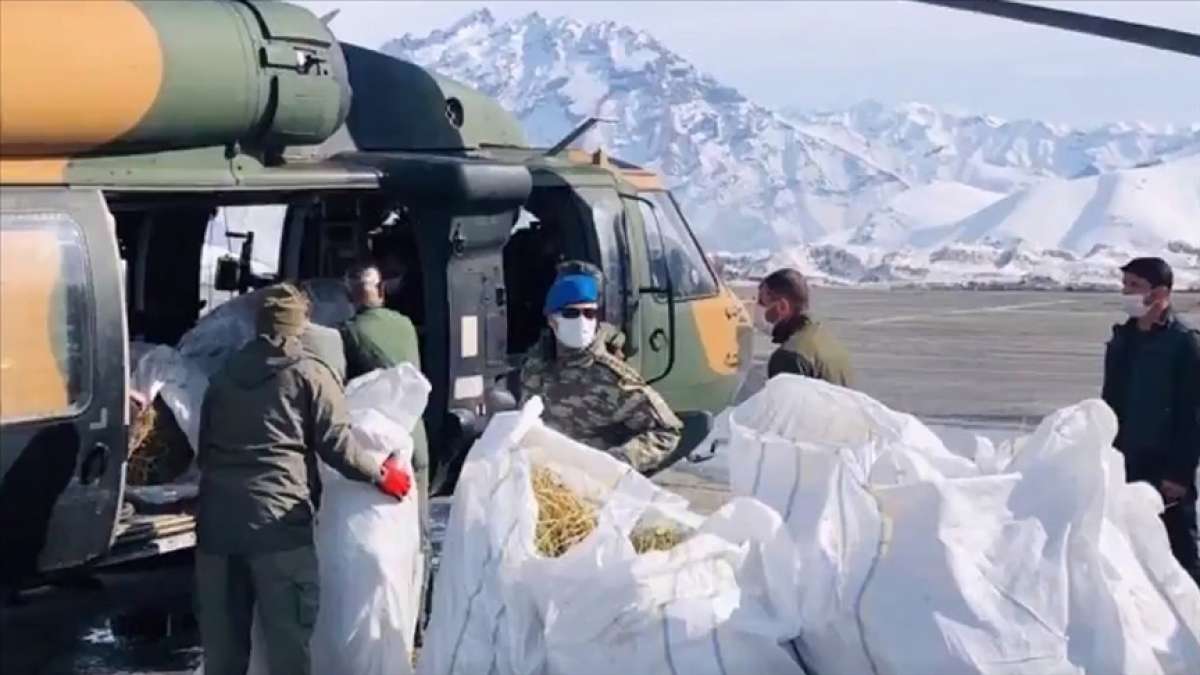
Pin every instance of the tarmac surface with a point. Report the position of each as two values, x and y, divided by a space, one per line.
992 362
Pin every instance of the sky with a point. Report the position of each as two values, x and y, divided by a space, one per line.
815 54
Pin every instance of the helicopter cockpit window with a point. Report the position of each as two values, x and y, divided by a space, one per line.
673 250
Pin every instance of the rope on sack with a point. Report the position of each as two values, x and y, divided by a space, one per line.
716 642
662 610
758 469
492 667
885 540
487 561
791 501
719 658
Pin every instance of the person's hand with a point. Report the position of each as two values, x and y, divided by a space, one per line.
393 479
1172 491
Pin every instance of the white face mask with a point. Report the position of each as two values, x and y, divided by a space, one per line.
577 333
1134 305
760 320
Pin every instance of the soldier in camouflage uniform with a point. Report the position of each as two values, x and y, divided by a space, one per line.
590 394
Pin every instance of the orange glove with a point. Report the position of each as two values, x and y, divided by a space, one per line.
393 479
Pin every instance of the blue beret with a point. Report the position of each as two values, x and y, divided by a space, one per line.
571 289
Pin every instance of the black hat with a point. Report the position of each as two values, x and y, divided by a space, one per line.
1154 270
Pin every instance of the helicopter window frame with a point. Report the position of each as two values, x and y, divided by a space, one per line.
674 235
77 332
606 206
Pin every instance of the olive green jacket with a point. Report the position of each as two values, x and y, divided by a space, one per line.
375 338
808 348
266 417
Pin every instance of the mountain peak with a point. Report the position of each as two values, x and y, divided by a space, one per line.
482 16
747 175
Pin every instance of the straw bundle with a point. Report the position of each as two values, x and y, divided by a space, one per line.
159 451
564 519
655 539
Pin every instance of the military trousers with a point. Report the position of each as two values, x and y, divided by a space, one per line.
420 462
281 587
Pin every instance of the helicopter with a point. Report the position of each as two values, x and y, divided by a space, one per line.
110 184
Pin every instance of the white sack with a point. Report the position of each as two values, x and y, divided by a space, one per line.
916 559
719 602
368 544
223 331
162 371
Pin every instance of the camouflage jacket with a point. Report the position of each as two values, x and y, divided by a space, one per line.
596 398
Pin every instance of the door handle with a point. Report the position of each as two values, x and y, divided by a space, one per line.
95 464
657 339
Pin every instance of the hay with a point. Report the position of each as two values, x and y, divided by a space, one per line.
159 451
655 539
565 519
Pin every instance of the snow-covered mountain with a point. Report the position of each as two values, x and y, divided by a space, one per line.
868 182
1057 233
746 174
1134 209
923 144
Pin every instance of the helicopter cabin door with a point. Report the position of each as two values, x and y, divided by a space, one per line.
63 379
683 351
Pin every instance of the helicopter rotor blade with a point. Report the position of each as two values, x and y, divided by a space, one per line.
1149 36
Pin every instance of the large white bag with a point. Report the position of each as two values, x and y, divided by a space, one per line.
223 331
917 559
368 544
163 371
719 602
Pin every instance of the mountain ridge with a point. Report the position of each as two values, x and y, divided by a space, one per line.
750 176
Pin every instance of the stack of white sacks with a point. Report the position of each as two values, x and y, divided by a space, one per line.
857 544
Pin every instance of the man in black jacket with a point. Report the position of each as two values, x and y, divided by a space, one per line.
1152 382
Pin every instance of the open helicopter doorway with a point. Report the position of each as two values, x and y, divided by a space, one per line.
558 224
392 247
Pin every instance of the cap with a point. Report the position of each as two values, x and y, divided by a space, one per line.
283 311
571 289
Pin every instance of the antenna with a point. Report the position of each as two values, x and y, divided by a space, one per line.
578 131
330 16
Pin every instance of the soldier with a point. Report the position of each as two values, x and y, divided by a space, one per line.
590 394
806 347
608 334
377 337
266 417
